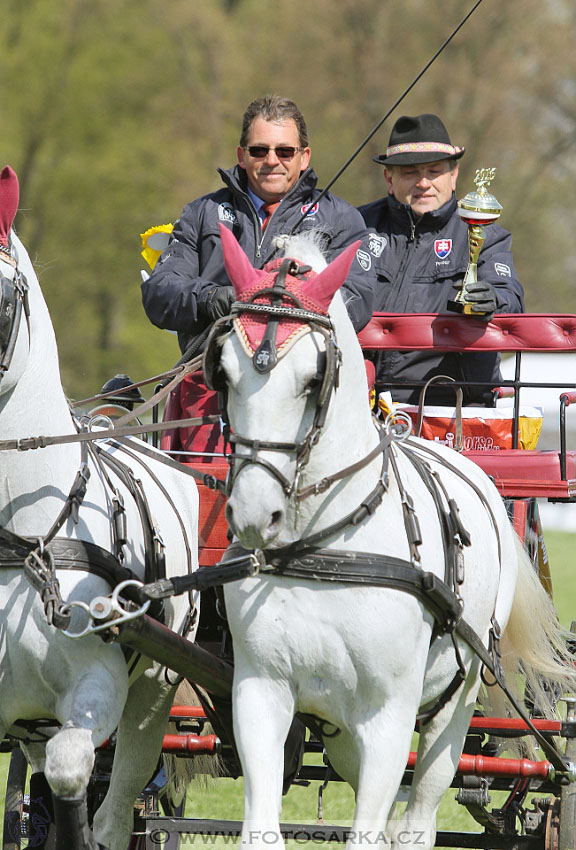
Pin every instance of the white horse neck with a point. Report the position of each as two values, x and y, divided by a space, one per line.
35 406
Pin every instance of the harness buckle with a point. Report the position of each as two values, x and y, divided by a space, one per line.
26 443
321 486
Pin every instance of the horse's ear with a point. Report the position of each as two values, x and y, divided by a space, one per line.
322 286
9 197
240 270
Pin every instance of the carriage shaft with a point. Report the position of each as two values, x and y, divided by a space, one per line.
159 643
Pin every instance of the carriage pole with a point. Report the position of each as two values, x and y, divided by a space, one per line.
155 641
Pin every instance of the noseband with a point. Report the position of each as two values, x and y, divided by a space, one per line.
265 358
13 301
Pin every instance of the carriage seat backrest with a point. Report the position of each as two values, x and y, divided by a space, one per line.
552 332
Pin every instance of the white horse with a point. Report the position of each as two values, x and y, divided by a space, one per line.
362 659
81 684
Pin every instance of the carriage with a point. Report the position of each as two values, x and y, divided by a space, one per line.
423 583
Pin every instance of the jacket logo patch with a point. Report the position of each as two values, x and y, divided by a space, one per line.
442 248
503 270
376 244
226 213
309 209
364 259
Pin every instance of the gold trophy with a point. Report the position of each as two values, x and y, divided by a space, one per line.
476 209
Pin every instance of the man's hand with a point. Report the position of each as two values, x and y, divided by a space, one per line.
481 296
218 302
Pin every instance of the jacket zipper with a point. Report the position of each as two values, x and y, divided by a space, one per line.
405 262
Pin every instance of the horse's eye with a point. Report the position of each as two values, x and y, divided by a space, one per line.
318 377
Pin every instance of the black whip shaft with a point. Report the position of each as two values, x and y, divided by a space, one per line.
385 117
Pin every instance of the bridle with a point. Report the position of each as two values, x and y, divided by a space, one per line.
264 359
13 303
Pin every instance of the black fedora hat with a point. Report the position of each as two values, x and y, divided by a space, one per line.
422 138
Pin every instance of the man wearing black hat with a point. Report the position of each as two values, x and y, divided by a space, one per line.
420 250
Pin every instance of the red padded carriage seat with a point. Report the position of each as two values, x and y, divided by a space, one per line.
518 473
192 398
449 332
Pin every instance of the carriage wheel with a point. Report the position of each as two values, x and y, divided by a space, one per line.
14 804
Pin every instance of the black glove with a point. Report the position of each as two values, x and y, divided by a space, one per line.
482 298
218 302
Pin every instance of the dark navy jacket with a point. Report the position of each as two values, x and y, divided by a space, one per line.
192 264
420 263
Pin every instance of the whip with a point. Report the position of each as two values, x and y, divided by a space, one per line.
384 118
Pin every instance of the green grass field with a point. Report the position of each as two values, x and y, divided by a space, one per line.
223 798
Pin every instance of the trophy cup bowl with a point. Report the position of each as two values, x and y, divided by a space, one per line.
478 209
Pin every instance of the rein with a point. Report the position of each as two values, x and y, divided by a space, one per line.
23 444
196 363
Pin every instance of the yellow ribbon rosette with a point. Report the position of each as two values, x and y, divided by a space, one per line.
154 241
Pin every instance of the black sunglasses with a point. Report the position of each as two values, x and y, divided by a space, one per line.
282 152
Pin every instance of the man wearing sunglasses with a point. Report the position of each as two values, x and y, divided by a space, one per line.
269 192
189 288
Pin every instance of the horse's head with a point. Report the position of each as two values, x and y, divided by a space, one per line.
278 362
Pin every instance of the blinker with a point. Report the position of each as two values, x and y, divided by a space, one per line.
7 309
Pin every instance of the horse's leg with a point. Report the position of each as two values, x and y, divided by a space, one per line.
263 712
140 735
93 711
383 743
439 749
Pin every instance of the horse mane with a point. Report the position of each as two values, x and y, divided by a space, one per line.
305 247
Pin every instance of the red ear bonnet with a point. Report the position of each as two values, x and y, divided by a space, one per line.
9 197
314 291
322 287
240 270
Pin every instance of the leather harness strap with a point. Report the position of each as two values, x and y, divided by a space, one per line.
71 554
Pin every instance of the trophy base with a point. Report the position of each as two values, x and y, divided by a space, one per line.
458 306
466 310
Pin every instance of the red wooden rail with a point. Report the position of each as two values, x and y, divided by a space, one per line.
495 766
475 765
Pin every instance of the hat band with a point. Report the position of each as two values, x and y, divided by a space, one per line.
422 147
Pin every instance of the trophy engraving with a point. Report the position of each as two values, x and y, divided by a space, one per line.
478 209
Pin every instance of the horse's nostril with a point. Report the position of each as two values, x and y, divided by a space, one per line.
276 518
229 516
